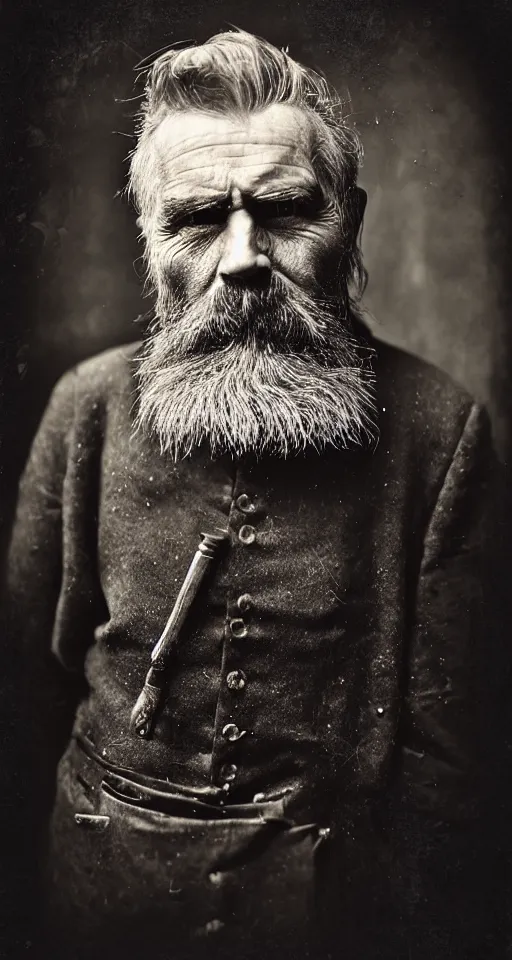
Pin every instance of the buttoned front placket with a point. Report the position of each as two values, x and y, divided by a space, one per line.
246 524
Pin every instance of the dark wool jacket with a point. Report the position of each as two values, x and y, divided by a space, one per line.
349 601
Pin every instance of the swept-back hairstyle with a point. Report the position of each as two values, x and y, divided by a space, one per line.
236 72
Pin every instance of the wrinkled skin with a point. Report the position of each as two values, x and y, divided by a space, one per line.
269 213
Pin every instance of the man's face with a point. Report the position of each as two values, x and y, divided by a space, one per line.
238 201
252 349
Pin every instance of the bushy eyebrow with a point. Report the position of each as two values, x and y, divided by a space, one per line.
311 193
178 208
276 189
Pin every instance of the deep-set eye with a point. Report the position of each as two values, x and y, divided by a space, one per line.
289 208
204 217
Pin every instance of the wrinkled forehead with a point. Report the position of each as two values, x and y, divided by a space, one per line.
206 153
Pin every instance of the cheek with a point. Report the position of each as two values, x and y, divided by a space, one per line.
305 258
189 263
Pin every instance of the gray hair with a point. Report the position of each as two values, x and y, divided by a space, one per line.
237 72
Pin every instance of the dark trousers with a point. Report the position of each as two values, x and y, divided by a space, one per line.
141 869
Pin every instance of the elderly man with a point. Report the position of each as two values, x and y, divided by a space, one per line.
248 556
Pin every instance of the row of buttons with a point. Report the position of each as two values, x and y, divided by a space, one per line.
236 680
237 626
247 533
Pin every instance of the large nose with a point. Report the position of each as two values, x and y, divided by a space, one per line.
242 261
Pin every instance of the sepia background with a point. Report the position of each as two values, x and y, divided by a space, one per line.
428 85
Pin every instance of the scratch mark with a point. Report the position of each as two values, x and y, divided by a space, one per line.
335 595
329 574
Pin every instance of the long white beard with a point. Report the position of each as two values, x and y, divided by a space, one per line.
255 373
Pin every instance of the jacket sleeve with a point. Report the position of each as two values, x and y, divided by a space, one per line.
448 735
34 570
449 660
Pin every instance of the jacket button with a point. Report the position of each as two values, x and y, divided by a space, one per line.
247 534
216 878
236 680
237 628
245 504
228 771
245 603
232 732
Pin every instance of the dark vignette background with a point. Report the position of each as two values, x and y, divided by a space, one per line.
431 94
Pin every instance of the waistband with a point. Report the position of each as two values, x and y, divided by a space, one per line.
94 772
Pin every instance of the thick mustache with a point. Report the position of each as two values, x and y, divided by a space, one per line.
274 317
